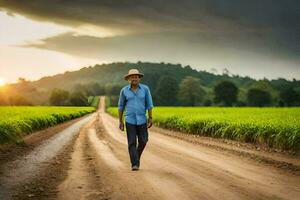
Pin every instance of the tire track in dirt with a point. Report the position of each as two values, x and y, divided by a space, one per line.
210 173
113 166
171 175
81 181
171 168
23 170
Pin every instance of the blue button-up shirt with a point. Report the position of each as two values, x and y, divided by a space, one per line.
136 103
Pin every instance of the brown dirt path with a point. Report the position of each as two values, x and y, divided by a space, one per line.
95 165
176 168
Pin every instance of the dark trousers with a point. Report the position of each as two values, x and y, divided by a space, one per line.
135 132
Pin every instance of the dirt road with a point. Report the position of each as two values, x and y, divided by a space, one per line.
89 160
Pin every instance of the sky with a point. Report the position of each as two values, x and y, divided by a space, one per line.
257 38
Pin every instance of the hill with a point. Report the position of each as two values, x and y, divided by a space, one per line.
38 91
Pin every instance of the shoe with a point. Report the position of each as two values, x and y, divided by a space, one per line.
135 167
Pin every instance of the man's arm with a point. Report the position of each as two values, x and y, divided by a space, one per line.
150 113
121 115
121 106
121 124
149 117
149 106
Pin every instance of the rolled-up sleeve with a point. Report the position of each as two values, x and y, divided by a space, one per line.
121 103
149 103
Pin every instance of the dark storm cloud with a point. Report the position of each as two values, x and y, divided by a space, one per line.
277 18
256 56
246 33
149 15
166 46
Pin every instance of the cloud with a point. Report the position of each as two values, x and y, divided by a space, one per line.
157 15
257 56
243 34
277 19
167 45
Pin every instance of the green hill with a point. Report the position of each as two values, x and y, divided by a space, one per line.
38 92
113 73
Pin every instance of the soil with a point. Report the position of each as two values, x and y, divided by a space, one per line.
93 163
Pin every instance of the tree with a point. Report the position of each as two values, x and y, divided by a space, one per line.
18 100
22 80
100 90
166 91
190 91
266 86
112 89
2 101
150 79
95 89
289 96
225 92
258 97
82 88
78 99
59 97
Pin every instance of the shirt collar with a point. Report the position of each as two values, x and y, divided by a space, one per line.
128 86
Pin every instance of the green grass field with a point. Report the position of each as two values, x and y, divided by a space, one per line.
275 127
17 121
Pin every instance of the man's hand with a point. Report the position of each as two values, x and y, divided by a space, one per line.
121 126
149 122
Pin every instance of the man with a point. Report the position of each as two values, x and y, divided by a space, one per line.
136 97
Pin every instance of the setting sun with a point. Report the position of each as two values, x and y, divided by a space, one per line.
2 82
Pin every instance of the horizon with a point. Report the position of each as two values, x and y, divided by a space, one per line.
39 40
3 82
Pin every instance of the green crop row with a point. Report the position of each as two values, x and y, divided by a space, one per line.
17 121
93 101
96 101
273 126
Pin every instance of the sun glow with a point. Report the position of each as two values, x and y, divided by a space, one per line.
2 81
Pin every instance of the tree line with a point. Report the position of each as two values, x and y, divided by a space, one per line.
79 95
168 91
170 84
190 92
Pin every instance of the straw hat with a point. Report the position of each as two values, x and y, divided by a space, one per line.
132 72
